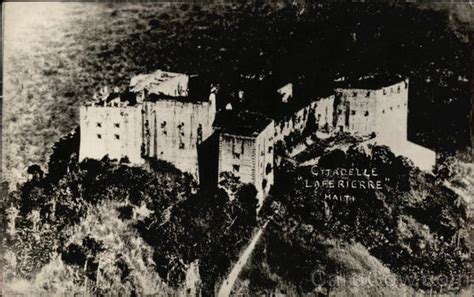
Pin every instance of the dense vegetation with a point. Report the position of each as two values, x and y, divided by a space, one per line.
412 225
103 226
123 227
89 45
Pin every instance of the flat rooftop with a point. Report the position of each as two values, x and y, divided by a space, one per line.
369 82
165 85
243 123
149 81
184 99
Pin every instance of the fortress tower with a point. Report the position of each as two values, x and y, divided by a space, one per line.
379 105
373 105
246 148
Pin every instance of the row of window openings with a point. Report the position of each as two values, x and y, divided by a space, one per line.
180 127
366 113
116 125
116 136
237 155
384 91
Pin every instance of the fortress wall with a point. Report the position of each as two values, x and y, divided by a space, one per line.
356 112
383 111
295 122
248 157
113 131
264 158
421 157
237 154
161 82
324 112
176 86
174 129
392 111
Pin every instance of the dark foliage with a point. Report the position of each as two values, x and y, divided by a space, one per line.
185 224
410 222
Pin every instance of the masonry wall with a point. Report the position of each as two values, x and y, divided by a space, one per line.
264 161
237 155
324 112
289 124
249 158
322 109
356 111
174 129
111 130
161 82
392 124
383 111
176 86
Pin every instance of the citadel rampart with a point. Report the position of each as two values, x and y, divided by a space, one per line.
370 106
366 109
174 129
111 129
163 117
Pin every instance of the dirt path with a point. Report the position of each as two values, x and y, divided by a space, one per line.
229 282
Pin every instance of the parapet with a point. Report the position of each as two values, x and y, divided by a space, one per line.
114 99
370 82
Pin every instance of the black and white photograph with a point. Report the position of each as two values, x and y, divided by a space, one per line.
237 148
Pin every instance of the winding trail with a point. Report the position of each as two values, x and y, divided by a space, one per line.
229 282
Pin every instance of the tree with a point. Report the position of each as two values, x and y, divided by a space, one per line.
247 203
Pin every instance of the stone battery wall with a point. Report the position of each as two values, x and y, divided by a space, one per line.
111 130
382 111
392 110
161 82
173 130
237 155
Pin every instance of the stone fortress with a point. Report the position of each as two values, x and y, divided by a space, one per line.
157 118
169 116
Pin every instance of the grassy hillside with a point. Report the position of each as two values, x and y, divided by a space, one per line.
122 263
54 64
100 227
356 273
413 225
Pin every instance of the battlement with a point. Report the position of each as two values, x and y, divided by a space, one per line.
371 82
